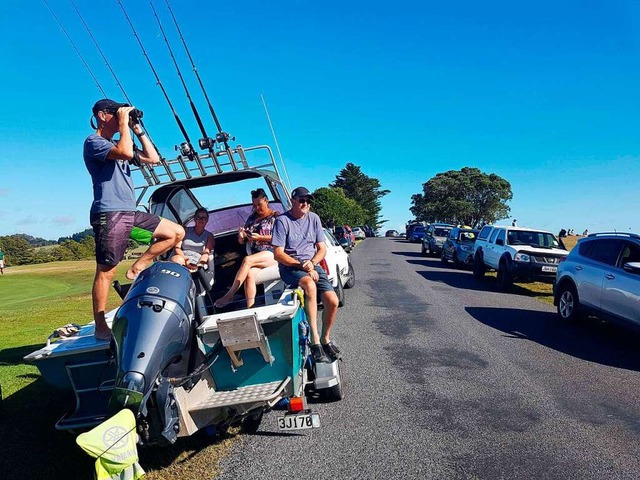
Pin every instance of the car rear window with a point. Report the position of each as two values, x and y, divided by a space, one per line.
441 232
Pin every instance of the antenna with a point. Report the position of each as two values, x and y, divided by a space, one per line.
221 137
275 139
186 149
206 142
84 62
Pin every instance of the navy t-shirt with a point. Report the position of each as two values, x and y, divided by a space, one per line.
112 183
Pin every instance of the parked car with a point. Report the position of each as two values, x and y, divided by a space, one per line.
601 276
369 231
458 247
434 238
344 237
359 233
391 233
338 266
418 232
517 254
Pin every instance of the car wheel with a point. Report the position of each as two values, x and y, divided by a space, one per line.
478 267
351 281
424 250
443 257
504 277
456 261
568 303
339 290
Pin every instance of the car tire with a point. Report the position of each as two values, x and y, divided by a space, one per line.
456 261
351 281
424 250
568 303
505 281
443 257
478 267
339 289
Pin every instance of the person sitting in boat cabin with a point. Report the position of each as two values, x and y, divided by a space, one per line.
113 211
196 248
298 242
257 232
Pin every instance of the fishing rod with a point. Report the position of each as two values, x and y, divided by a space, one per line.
106 61
205 142
221 137
186 149
84 62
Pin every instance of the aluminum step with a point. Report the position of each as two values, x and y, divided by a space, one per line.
263 392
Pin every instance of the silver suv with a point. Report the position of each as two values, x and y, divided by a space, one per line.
601 275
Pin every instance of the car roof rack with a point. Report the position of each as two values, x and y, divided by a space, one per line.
615 234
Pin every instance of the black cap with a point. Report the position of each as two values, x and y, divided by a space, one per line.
301 192
107 104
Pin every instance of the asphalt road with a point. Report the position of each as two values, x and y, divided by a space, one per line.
447 378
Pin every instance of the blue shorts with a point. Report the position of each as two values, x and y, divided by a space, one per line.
293 275
112 230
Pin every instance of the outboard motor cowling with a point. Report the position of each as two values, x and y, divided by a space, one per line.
151 330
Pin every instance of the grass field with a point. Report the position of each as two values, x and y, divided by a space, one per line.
35 299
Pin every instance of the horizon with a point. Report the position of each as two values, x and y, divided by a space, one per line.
542 95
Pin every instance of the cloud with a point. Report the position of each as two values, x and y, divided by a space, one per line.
63 220
28 220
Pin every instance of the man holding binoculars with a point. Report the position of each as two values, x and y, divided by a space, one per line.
113 211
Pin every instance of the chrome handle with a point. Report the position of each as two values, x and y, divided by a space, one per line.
578 267
609 276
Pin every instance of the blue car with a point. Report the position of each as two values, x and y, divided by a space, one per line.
417 234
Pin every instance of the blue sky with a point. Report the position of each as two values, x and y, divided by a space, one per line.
545 95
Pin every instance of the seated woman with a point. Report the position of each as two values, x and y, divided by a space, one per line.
257 232
197 246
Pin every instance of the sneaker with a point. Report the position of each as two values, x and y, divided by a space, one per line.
331 350
317 352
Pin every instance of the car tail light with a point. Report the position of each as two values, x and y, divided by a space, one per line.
323 265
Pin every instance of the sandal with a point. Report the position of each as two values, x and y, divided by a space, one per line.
332 351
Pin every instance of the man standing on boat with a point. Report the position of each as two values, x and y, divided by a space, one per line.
113 211
299 247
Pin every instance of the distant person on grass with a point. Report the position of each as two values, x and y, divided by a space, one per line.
299 246
113 211
1 262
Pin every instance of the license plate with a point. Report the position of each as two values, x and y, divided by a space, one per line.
549 269
299 421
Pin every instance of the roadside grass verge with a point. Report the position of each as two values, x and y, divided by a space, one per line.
34 300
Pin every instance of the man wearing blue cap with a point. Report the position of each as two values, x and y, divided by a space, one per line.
113 211
299 247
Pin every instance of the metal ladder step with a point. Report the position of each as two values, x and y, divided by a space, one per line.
264 392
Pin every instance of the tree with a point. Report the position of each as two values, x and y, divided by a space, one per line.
364 190
468 197
334 208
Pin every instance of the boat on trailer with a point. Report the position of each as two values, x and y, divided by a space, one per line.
179 363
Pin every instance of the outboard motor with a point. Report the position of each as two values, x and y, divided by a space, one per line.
151 331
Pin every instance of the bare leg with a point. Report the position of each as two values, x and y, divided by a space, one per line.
330 303
311 306
257 260
250 287
167 234
99 293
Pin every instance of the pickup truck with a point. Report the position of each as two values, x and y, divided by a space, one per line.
517 254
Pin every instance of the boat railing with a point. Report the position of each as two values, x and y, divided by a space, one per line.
194 165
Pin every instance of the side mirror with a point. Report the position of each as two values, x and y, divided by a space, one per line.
632 267
500 242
